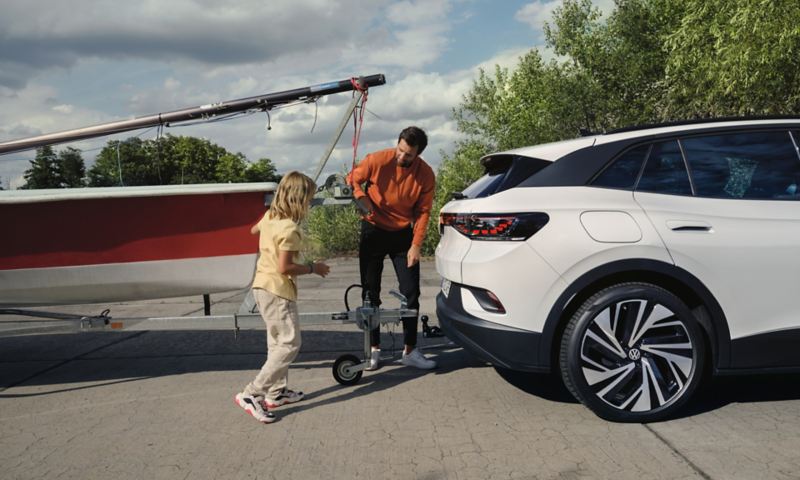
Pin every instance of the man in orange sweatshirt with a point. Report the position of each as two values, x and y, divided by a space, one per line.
397 196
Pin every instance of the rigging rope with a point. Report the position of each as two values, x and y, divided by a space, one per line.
358 119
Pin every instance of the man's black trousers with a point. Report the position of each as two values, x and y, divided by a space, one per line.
373 247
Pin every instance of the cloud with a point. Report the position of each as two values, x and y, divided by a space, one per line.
420 34
41 34
537 13
65 109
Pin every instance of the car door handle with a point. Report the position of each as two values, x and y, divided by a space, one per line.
688 226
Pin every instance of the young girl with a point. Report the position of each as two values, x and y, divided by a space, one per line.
275 292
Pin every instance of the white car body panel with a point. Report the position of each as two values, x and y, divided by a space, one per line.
530 280
452 246
749 258
519 277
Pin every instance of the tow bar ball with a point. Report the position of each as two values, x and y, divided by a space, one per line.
430 332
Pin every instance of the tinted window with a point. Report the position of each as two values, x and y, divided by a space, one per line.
753 165
504 172
623 171
484 186
665 171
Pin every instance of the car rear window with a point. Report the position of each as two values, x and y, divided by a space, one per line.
503 172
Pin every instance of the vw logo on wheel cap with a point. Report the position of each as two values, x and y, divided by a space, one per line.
634 354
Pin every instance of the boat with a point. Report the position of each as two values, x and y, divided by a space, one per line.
112 244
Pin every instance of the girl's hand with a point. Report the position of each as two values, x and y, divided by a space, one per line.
321 269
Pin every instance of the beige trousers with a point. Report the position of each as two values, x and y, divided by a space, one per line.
283 344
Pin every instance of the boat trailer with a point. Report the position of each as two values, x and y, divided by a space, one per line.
347 369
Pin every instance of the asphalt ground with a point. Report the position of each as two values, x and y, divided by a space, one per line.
159 404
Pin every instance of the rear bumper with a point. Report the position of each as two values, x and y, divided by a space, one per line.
503 346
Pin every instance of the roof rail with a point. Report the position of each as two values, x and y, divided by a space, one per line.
675 123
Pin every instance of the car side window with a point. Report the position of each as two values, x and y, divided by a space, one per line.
623 171
665 171
746 165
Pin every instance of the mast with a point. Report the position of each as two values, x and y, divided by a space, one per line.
259 102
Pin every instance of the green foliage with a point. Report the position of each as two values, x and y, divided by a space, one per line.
735 58
332 230
45 171
262 170
72 168
171 160
50 170
122 163
619 62
230 168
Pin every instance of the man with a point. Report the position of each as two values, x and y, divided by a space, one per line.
397 202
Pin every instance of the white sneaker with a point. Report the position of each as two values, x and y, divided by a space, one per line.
374 360
418 360
252 405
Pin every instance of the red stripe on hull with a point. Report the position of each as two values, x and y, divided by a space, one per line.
128 229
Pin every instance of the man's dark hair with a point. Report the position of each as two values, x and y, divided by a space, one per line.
414 137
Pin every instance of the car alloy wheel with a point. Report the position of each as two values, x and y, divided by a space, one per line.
632 352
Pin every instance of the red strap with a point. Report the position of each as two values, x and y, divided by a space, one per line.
358 119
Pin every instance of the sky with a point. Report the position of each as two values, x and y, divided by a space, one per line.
71 64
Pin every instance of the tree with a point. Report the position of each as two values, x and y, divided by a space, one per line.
262 170
619 61
167 160
44 171
735 58
123 163
230 168
72 168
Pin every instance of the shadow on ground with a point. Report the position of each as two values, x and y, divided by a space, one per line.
716 393
92 359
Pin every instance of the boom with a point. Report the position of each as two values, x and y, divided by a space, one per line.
260 102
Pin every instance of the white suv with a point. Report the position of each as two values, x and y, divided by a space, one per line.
632 262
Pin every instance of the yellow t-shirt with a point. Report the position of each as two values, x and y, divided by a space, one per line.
276 235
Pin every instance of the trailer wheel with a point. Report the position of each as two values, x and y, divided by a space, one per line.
342 370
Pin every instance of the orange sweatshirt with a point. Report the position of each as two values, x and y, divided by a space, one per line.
401 196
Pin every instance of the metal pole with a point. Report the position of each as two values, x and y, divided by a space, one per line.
261 102
338 134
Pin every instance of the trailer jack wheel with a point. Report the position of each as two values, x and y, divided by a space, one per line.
343 370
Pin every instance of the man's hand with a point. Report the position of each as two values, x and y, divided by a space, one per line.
413 255
366 206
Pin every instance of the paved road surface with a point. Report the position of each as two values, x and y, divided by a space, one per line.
159 404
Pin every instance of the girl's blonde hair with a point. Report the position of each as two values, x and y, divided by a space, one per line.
293 197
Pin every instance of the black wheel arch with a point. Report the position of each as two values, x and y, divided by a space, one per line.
683 284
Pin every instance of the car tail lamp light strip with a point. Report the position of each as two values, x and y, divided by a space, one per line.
494 226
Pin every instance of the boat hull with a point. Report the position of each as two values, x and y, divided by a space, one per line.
133 243
115 282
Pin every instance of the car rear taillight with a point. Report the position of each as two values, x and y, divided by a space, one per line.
494 226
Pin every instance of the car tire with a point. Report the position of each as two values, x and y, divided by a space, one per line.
632 352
